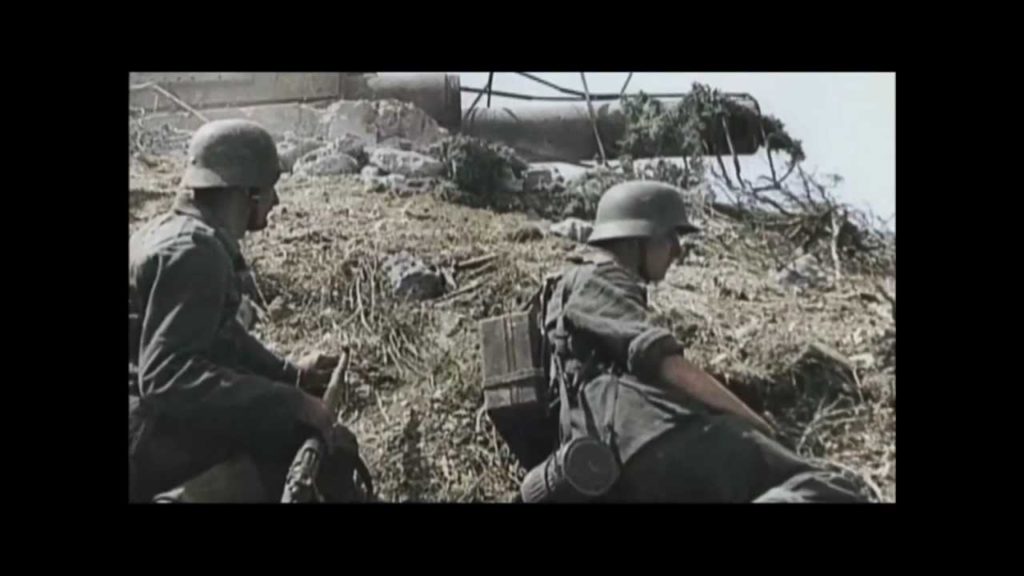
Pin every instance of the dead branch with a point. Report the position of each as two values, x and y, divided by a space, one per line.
474 262
725 174
593 120
732 150
171 97
462 290
835 244
875 490
755 193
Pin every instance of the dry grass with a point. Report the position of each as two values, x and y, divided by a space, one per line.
414 399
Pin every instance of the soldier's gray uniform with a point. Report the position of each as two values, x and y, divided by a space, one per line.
205 388
606 355
605 361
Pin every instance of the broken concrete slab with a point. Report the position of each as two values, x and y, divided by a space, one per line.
380 121
406 163
413 279
351 144
292 147
573 229
326 162
403 120
348 117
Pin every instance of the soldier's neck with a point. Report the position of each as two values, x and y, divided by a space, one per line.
229 212
627 256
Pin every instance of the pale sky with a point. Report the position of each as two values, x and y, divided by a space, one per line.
847 121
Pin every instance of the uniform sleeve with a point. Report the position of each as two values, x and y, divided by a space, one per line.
606 308
186 294
256 358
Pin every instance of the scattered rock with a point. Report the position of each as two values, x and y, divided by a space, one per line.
865 361
413 279
397 119
573 229
480 167
526 233
821 371
537 179
326 162
410 186
349 117
380 121
406 163
353 145
291 148
371 173
403 144
804 272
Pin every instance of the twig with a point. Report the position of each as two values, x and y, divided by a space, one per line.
461 291
875 490
888 297
469 493
593 120
820 415
171 97
474 262
380 406
479 419
732 150
373 291
725 174
482 271
359 304
755 192
835 245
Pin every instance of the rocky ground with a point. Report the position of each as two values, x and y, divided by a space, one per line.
402 274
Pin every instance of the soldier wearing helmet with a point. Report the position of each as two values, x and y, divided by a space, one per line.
203 390
672 432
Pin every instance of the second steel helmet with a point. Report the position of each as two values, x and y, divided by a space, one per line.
640 209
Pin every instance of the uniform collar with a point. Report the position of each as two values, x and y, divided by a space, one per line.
185 205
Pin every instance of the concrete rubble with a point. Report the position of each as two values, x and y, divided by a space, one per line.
573 229
409 164
412 279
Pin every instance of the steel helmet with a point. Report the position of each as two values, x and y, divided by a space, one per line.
640 209
228 153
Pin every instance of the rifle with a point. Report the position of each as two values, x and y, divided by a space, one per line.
300 485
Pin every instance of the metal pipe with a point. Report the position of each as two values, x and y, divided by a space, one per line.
581 98
540 133
551 85
593 120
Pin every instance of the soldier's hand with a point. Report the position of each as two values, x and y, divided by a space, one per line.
315 371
